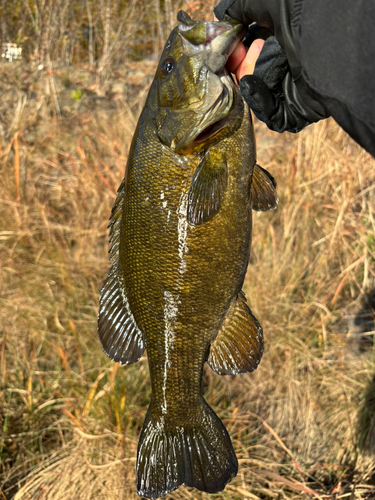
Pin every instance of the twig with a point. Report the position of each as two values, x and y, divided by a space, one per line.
17 167
338 289
92 437
72 417
290 484
271 431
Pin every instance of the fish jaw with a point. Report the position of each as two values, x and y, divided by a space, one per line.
206 122
221 119
215 41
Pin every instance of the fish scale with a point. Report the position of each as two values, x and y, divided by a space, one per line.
180 244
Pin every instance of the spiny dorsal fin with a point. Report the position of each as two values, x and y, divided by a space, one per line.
238 346
263 190
207 190
119 335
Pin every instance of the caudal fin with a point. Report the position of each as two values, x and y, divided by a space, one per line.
199 454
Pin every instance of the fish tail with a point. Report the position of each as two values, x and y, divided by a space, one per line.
198 453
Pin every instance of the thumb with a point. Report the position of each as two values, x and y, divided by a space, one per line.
248 64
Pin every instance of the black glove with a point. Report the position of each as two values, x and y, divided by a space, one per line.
278 100
277 92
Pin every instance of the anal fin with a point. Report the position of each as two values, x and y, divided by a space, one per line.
238 346
119 335
263 190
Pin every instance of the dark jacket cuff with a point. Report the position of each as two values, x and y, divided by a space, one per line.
222 7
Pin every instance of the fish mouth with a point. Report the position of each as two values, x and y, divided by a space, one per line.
214 40
216 117
213 121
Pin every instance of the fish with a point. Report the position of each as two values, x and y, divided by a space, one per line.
180 234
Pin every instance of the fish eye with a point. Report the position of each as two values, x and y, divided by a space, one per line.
167 66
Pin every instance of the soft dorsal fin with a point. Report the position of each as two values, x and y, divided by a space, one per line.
263 190
238 346
207 190
119 334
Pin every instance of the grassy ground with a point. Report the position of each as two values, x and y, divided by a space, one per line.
302 425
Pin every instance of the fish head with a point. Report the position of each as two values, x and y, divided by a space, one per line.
196 101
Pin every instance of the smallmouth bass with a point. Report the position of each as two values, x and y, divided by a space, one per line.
180 234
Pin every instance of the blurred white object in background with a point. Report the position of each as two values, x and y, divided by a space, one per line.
11 51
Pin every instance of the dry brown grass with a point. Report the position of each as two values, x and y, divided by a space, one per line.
302 425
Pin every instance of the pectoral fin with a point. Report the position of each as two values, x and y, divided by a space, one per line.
263 190
238 346
207 190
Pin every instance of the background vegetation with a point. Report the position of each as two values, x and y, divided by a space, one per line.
303 425
98 32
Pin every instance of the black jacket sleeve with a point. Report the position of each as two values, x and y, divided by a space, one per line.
336 46
330 47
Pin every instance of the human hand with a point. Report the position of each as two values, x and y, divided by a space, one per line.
242 61
270 74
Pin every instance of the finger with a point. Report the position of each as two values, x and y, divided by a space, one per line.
236 57
247 65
